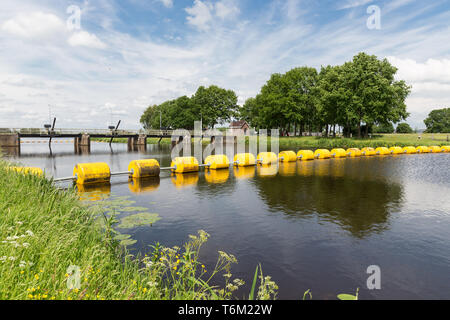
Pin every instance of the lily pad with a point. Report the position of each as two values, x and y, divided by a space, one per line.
131 209
138 219
127 242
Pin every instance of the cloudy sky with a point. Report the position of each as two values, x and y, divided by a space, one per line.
122 56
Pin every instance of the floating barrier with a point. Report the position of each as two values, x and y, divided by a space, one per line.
266 158
144 168
338 153
435 149
409 150
382 151
396 150
184 165
28 170
287 156
305 155
445 149
354 152
244 160
322 154
217 162
422 149
88 173
368 151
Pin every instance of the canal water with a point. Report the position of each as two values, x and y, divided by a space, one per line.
312 225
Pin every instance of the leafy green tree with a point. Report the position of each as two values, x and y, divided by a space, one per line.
438 121
384 128
404 128
214 105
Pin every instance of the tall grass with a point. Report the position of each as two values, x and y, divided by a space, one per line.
54 247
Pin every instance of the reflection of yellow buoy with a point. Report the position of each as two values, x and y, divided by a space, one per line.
287 169
382 151
435 149
184 180
353 152
143 185
244 172
144 168
28 170
409 150
267 171
244 160
322 168
305 169
88 173
305 155
322 154
94 192
338 153
266 158
217 176
217 162
287 156
395 150
445 149
422 149
368 151
184 165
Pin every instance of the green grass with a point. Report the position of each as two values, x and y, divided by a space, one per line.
45 230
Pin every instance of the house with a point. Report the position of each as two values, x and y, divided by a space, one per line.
239 127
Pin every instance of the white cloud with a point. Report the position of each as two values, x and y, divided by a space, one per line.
354 3
167 3
200 15
225 9
34 25
86 39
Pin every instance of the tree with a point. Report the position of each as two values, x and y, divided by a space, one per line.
384 128
404 128
214 105
438 121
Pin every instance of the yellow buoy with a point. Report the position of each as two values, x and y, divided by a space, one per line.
435 149
305 155
322 154
382 151
265 158
144 168
422 149
395 150
338 153
445 149
409 150
28 170
244 172
368 151
217 162
244 160
287 156
87 173
353 152
184 165
143 185
217 176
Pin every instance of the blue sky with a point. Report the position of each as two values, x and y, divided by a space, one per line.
129 54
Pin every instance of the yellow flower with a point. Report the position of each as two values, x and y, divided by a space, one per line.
44 296
30 296
36 276
22 272
145 290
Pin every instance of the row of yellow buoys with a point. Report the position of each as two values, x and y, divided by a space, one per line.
92 173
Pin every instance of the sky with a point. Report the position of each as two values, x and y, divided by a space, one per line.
90 63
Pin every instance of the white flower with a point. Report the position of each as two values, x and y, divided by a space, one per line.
30 233
12 258
19 223
26 244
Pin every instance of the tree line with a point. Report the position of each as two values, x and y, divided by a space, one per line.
357 96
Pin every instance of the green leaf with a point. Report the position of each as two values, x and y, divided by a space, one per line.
252 291
139 219
345 296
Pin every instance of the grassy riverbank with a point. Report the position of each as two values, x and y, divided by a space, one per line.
385 140
45 230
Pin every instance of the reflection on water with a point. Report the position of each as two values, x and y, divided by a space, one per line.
94 192
312 224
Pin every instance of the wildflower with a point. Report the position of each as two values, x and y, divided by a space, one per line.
29 233
12 258
144 290
36 276
25 244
